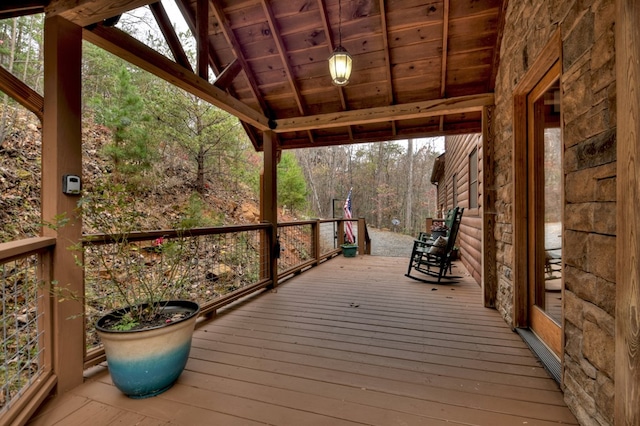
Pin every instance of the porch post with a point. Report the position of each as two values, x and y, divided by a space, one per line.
627 357
269 196
488 256
61 155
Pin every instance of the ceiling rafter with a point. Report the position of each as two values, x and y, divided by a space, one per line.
128 48
227 74
458 105
330 43
496 50
445 51
235 46
226 77
275 33
202 38
387 57
190 19
282 52
160 14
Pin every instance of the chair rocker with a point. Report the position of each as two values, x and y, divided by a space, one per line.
434 261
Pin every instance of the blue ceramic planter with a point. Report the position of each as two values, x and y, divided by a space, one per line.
145 363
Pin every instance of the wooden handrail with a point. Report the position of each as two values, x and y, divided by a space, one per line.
16 249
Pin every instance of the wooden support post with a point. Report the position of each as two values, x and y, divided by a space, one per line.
627 357
269 198
428 223
362 244
489 276
61 155
315 231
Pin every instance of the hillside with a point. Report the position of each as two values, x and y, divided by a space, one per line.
163 194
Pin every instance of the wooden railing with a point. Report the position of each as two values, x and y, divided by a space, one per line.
224 264
26 373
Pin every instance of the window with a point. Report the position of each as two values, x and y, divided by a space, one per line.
473 179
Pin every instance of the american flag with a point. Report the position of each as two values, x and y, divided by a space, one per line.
347 215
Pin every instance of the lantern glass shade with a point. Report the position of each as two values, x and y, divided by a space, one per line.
340 63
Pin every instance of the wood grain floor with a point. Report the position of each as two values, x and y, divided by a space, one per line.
350 342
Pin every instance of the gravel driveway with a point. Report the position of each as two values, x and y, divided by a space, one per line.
392 244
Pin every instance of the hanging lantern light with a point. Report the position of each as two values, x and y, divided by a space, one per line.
340 61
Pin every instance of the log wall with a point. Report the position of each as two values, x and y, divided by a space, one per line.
458 149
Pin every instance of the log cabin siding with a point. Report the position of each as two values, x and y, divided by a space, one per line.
458 149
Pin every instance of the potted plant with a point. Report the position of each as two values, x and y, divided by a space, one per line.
147 332
349 249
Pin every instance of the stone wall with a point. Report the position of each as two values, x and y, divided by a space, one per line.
588 106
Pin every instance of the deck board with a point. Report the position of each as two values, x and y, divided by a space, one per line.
350 342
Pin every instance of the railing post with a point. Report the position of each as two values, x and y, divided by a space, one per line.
362 244
340 232
269 197
61 155
315 232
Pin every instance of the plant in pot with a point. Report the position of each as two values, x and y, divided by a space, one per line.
140 291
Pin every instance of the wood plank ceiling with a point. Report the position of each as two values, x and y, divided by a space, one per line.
421 67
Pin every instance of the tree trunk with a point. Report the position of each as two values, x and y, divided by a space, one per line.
5 100
200 173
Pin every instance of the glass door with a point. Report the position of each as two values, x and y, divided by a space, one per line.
545 201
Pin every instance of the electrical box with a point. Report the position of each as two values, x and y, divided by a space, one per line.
71 184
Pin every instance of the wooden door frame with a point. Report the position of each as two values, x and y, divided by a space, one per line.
550 55
627 359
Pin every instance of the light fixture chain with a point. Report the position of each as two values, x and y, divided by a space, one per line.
340 22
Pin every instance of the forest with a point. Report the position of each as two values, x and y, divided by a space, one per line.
180 156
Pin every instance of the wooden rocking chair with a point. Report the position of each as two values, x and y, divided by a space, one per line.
432 260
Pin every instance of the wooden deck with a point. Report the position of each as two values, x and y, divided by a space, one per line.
352 341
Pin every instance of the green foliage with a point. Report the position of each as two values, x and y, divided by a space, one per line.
196 215
292 186
123 111
208 134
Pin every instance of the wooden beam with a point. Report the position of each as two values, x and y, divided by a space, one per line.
330 43
85 12
387 57
169 34
190 20
269 197
226 77
445 49
62 154
131 50
23 94
459 105
627 335
445 54
282 52
15 8
489 274
235 46
495 63
202 38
